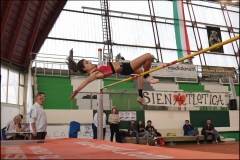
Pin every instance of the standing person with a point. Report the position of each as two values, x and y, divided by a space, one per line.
114 120
208 129
38 118
95 124
124 68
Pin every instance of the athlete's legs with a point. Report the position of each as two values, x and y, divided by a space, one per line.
140 79
145 60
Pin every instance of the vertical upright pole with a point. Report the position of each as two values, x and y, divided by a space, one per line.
100 102
234 95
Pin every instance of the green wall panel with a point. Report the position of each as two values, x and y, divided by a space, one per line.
237 89
124 101
233 134
219 118
57 90
235 86
129 85
134 103
120 101
191 87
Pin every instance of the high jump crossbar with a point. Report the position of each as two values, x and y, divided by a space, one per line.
176 61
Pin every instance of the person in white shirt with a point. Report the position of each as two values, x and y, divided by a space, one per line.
12 127
95 124
38 118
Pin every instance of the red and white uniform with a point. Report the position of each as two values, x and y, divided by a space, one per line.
106 70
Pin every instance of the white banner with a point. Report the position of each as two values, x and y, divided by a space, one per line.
176 70
62 131
184 99
127 116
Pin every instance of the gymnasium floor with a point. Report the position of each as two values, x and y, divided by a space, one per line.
100 149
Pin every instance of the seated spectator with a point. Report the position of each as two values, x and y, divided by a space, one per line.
20 125
208 129
153 132
12 127
23 127
132 131
217 136
141 132
189 130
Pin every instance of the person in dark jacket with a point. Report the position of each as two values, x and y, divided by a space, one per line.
153 132
188 129
208 129
141 132
132 130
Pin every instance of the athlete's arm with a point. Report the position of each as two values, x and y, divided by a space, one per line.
92 77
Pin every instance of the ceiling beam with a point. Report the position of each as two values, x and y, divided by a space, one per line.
18 30
48 27
35 30
5 17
